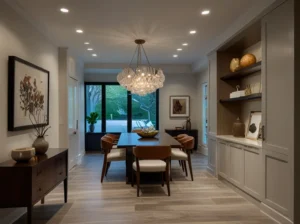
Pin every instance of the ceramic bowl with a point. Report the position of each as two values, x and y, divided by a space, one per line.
147 134
23 154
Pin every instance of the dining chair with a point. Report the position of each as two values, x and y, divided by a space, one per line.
184 154
153 159
115 139
180 136
110 155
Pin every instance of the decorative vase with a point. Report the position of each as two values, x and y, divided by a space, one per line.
238 128
234 64
188 124
23 154
92 127
41 145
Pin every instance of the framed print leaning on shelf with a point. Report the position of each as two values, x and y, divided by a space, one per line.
254 125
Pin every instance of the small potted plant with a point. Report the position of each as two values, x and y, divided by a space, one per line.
92 120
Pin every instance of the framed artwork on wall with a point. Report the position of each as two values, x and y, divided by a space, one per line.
28 94
254 125
179 106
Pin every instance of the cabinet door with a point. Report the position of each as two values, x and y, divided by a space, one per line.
224 159
237 165
278 107
253 172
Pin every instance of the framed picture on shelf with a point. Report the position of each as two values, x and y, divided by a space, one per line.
254 126
179 106
28 94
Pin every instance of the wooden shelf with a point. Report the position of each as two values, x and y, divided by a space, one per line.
243 98
243 72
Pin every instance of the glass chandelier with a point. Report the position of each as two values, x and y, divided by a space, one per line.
143 79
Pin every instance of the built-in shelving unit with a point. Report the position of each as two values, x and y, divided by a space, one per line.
243 98
243 72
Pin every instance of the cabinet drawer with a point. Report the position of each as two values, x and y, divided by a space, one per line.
43 179
60 167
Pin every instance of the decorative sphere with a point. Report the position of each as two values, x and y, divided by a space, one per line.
247 60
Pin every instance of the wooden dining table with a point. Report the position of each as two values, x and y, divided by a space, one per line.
131 140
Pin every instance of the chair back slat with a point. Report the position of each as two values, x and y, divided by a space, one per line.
152 152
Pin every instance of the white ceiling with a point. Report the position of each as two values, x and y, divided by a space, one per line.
112 25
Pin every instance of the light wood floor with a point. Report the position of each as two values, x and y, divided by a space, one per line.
206 200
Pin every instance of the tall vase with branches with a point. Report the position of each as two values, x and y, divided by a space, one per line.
40 144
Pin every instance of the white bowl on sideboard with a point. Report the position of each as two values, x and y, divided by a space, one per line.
23 154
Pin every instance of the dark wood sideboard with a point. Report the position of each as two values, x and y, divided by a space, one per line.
193 132
24 184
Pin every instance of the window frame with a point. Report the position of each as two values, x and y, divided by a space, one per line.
103 107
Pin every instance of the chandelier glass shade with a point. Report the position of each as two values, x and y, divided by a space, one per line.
143 79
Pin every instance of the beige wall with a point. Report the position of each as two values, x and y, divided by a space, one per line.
19 38
175 84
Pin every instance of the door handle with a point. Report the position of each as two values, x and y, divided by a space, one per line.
263 132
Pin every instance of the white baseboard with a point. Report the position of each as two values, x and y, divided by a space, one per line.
274 214
203 149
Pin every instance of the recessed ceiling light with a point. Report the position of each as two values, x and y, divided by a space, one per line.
94 55
64 10
86 43
79 31
205 12
193 31
90 49
185 44
179 49
175 55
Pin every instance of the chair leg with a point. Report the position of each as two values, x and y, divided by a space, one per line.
186 172
162 179
182 165
190 166
170 176
108 165
132 178
138 183
103 168
168 181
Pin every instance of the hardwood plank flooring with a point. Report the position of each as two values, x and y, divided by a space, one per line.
206 200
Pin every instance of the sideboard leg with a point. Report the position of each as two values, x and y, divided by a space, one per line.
66 190
29 214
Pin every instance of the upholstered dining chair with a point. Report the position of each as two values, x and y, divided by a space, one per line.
153 159
180 136
110 155
115 139
184 154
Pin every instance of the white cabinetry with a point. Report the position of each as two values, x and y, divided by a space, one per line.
278 102
212 153
241 164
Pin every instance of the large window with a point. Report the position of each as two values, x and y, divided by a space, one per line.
118 109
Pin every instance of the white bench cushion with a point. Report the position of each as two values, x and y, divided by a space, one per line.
115 147
151 166
116 155
177 154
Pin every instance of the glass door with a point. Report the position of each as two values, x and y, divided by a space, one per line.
116 108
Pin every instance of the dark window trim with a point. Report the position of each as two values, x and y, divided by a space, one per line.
129 107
